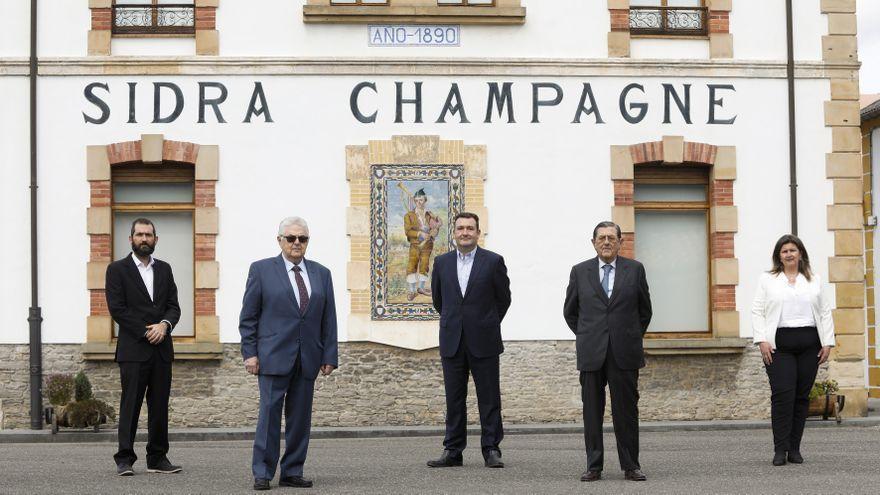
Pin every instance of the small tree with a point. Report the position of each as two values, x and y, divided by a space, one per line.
83 388
59 389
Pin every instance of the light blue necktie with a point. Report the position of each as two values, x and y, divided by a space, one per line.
607 270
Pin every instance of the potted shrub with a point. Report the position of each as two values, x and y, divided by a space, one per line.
85 411
824 400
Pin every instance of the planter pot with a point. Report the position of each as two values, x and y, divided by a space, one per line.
829 405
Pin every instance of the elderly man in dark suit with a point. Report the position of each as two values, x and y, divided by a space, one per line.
288 336
471 291
608 307
142 299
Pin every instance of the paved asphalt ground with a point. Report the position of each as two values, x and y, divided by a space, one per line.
839 460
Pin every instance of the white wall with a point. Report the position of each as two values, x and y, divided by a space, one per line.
15 21
297 166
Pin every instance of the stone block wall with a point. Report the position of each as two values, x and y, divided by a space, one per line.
382 385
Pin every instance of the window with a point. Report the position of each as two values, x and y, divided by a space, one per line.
668 17
166 196
672 241
153 17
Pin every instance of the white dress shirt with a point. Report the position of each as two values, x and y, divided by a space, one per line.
796 310
146 272
610 274
464 263
292 276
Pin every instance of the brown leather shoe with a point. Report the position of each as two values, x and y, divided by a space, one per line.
591 476
634 475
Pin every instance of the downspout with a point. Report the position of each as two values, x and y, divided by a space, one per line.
35 318
792 135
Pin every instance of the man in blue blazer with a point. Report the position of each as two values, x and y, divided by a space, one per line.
288 335
471 291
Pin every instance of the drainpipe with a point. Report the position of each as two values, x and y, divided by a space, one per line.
35 318
792 135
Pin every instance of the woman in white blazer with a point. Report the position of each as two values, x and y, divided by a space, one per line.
791 320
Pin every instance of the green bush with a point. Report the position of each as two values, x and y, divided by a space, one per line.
59 389
82 388
823 388
87 413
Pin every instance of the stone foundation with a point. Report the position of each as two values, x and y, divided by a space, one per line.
380 385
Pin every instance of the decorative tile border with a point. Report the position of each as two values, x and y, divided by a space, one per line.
152 148
408 151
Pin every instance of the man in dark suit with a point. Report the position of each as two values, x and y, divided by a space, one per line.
471 291
288 335
608 307
142 298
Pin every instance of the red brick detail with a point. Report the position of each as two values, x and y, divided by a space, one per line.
125 152
99 247
700 153
724 297
206 18
99 194
623 193
102 19
628 245
722 245
179 151
647 152
722 193
206 247
205 302
204 193
719 22
619 19
98 303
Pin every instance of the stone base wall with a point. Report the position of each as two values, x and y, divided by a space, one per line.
380 385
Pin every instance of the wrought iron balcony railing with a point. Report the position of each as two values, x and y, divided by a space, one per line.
677 21
166 18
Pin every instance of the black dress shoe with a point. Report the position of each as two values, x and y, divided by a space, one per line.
591 475
295 481
124 470
634 475
795 457
261 484
446 460
164 467
779 459
493 459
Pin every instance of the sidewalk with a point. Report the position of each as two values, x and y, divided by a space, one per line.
108 434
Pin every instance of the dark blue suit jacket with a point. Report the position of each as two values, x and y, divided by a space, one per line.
477 315
272 327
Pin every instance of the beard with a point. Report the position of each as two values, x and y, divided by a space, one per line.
143 249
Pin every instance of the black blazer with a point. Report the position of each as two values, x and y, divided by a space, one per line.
595 319
478 314
131 307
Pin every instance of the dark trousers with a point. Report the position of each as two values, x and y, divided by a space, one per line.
153 379
487 382
294 393
791 375
623 385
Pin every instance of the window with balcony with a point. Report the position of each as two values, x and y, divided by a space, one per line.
668 17
153 17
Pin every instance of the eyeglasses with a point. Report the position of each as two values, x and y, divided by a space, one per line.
610 238
303 239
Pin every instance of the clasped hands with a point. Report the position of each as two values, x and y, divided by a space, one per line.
156 332
252 366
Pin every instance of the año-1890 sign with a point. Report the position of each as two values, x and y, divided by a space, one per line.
404 35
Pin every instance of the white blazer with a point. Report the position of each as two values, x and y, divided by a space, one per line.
767 308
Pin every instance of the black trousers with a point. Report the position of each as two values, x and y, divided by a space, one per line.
791 375
487 382
624 387
153 379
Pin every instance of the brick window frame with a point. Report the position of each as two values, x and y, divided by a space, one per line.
501 12
723 225
718 29
153 150
205 33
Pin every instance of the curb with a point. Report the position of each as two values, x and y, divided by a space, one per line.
108 435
